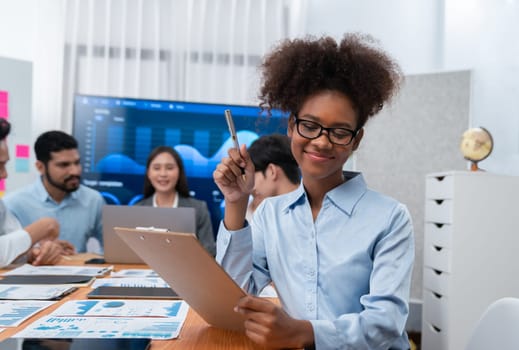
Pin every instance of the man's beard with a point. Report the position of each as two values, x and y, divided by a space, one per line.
62 186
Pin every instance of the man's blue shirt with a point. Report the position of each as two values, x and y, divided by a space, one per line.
78 214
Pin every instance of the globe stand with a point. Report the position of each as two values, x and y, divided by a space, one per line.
474 166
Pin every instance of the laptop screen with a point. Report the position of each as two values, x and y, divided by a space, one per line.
173 219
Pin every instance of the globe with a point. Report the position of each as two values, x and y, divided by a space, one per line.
476 145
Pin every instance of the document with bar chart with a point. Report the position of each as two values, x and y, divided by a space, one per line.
111 319
102 327
14 312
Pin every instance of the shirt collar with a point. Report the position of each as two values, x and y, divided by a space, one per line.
175 201
344 196
43 195
347 195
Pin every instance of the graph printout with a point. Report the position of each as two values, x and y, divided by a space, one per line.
14 312
33 292
123 308
102 327
155 319
30 270
151 282
134 273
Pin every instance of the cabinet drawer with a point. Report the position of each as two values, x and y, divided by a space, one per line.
433 338
438 234
436 280
437 258
439 187
439 211
435 309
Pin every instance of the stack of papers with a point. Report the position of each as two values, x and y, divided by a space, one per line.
69 280
111 318
131 282
34 292
135 273
30 270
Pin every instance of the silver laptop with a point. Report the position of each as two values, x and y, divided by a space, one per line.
118 252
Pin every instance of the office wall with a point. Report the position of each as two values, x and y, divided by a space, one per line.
418 134
16 83
483 36
438 35
16 28
30 30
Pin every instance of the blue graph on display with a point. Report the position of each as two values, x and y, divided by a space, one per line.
195 163
116 135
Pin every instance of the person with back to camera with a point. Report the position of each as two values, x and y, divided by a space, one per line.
58 193
276 169
339 254
165 185
15 240
276 172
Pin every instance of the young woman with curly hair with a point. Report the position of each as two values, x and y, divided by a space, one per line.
339 254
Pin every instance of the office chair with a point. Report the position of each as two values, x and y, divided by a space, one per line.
497 327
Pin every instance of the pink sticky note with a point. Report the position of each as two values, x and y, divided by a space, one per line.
2 185
22 151
4 96
4 111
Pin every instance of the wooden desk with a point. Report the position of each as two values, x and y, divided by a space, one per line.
195 333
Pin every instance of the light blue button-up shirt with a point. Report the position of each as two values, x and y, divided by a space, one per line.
78 214
348 272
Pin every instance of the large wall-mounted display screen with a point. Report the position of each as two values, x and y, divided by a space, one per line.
116 135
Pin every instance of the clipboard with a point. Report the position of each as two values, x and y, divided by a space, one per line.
187 267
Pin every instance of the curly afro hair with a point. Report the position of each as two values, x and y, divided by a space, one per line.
299 68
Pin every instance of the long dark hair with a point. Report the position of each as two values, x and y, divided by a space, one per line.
181 187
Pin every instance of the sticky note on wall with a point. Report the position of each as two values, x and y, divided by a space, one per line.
4 104
21 163
22 151
4 113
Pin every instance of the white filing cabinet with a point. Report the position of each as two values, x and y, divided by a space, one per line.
471 252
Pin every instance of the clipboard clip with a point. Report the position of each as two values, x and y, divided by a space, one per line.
152 228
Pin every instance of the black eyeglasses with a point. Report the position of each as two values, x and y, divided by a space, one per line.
312 130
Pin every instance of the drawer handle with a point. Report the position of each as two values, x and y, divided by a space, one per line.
439 201
439 296
438 272
437 248
436 329
440 178
439 225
